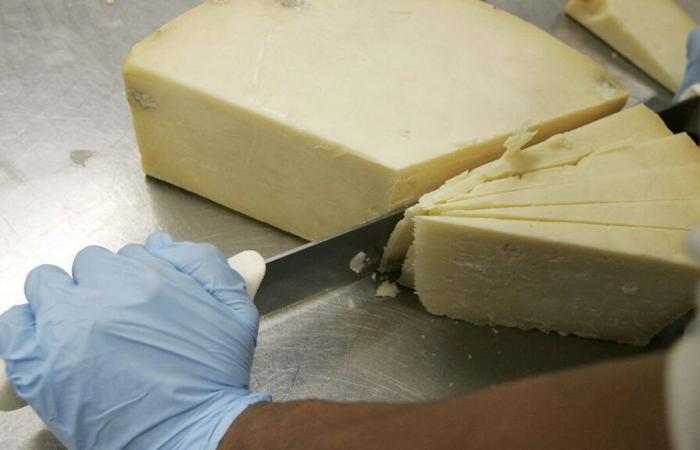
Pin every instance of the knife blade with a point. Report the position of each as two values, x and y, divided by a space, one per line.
318 267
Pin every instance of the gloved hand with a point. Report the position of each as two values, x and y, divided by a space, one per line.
150 348
692 72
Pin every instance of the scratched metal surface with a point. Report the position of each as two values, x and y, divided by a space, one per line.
70 176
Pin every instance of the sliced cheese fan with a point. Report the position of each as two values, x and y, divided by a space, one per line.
631 126
584 239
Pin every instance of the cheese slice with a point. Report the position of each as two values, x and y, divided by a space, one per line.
668 152
666 214
670 214
606 282
650 33
631 126
663 184
314 116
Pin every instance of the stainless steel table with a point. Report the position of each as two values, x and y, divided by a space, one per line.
70 176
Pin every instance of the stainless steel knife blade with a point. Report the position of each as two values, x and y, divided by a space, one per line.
318 267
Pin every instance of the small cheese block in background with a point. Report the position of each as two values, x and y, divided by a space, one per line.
596 281
650 33
314 116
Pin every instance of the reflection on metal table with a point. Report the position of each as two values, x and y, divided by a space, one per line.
70 177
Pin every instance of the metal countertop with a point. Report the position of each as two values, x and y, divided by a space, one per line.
70 177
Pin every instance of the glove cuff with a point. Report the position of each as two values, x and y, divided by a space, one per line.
231 414
692 91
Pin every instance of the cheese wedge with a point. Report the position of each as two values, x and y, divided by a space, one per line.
669 214
314 116
631 126
605 282
650 33
668 152
663 184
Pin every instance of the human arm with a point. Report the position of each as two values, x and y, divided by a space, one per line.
613 405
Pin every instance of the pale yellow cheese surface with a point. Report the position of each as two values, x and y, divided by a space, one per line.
634 126
671 214
631 126
662 184
669 152
318 117
605 282
650 33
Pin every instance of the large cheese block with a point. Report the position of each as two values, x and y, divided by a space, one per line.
314 116
606 282
650 33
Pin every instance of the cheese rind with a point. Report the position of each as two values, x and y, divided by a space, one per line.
315 118
606 282
650 33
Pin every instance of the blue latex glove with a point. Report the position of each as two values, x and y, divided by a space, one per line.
150 348
692 72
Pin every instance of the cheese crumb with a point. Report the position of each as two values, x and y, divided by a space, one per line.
358 262
630 289
559 141
387 289
518 140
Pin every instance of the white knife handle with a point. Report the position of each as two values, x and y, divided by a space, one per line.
9 401
249 264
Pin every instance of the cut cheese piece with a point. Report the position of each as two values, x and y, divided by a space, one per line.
631 126
315 116
670 214
650 33
663 184
668 152
407 277
606 282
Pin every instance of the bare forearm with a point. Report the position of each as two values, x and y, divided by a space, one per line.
615 405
